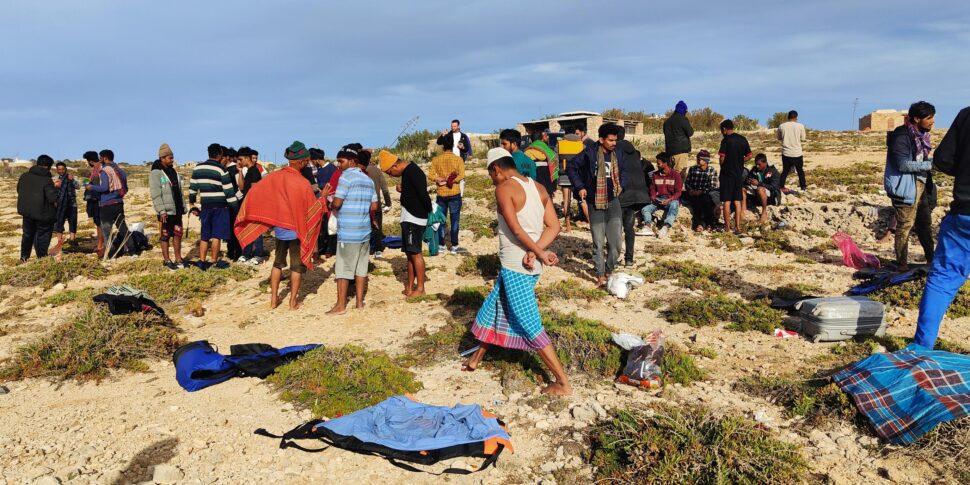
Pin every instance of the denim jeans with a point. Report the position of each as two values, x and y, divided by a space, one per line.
254 249
948 273
452 208
670 214
37 236
607 227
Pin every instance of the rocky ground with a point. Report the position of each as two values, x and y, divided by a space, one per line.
142 427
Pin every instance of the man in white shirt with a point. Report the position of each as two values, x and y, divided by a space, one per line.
792 134
462 145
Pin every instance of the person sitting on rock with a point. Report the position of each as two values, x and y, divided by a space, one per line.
702 192
666 188
763 186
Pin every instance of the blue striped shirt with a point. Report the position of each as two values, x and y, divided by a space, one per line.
356 190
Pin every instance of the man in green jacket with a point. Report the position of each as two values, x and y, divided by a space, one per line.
165 185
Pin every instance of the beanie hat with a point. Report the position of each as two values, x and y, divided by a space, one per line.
386 159
348 152
681 107
497 153
296 151
164 151
704 154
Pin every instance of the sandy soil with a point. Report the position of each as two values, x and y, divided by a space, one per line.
119 430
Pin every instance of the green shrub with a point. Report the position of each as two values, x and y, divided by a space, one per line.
815 399
486 265
689 274
678 367
815 232
425 348
138 265
47 272
797 290
178 287
727 239
908 295
478 186
70 296
480 226
689 444
569 289
92 344
426 297
773 242
469 297
740 315
335 381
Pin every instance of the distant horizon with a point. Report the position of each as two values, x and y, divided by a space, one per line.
130 76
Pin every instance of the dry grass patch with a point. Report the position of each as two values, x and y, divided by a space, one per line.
738 314
46 272
94 343
569 289
690 444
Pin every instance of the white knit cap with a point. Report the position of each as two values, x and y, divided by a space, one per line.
497 153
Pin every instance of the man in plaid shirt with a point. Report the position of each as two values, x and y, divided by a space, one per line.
702 192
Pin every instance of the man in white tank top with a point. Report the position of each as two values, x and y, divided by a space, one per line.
528 224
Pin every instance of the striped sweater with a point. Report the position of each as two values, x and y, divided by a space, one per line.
212 184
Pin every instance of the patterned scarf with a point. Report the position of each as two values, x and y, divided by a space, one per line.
117 182
600 201
922 141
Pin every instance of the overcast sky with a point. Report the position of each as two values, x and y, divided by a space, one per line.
129 75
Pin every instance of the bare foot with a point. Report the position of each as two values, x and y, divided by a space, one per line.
557 389
294 305
360 306
417 292
406 292
337 311
601 281
763 220
274 302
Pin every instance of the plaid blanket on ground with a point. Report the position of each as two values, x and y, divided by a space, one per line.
905 394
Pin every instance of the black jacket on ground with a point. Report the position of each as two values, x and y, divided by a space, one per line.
36 195
635 189
952 157
677 133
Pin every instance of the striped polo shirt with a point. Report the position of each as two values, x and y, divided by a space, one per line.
356 190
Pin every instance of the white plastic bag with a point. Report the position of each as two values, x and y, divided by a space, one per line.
627 341
137 227
619 284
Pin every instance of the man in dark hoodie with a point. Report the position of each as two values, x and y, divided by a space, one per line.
951 261
635 193
677 133
908 181
763 186
37 197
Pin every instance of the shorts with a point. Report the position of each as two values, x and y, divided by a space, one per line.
292 249
753 200
352 259
215 224
564 181
731 189
94 212
412 237
173 227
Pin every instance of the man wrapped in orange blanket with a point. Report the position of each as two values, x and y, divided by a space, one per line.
284 201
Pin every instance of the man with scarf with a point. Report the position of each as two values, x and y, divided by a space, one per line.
91 199
111 187
284 201
597 175
677 133
165 185
908 181
546 162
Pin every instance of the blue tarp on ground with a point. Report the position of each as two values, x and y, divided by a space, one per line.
905 394
403 424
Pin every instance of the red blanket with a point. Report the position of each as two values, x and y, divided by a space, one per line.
281 199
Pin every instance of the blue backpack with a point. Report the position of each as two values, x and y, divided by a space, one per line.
400 428
198 365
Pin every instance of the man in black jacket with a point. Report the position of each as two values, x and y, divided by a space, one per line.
951 260
37 198
635 195
763 185
677 133
461 145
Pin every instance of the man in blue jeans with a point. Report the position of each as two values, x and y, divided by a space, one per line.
446 173
666 187
951 260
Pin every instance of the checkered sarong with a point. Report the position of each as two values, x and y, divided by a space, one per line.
905 394
510 315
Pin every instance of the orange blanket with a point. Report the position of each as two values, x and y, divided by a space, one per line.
281 199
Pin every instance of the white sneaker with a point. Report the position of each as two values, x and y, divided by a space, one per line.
646 231
242 259
662 233
456 250
378 254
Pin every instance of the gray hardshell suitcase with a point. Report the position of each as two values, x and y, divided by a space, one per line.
840 318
